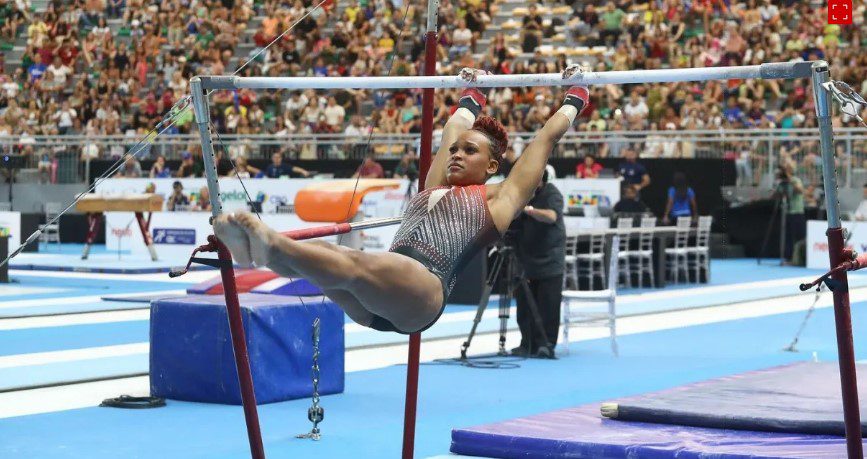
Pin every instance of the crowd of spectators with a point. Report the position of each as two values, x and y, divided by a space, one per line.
115 67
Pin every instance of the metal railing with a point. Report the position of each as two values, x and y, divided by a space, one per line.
756 152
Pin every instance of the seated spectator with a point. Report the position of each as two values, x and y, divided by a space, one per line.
531 30
629 202
462 39
612 20
244 170
36 69
681 200
131 168
203 200
369 168
278 168
177 201
633 172
334 115
589 168
188 166
159 169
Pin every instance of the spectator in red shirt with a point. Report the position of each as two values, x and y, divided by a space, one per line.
589 168
369 169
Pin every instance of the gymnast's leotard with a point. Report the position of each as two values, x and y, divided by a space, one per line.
443 228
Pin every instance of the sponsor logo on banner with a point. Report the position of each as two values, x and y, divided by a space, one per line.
840 12
588 199
183 236
5 231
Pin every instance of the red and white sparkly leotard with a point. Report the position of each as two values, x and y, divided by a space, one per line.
444 228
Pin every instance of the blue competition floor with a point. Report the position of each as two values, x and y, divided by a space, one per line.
366 421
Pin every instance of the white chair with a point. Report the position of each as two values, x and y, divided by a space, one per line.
644 255
592 264
700 252
572 315
623 255
570 276
677 257
51 231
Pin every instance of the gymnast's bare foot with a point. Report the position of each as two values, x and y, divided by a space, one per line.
247 238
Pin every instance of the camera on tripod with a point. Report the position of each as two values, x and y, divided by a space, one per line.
507 272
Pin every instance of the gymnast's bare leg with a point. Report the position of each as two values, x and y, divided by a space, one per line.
362 283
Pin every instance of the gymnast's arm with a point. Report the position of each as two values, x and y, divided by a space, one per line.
513 193
456 125
470 106
517 189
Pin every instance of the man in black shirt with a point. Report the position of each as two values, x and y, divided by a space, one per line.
633 172
541 250
629 203
278 168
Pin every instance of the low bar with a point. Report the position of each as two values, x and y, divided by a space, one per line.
786 70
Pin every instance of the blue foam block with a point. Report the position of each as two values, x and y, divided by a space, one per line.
191 354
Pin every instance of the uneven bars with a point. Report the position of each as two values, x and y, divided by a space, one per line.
771 71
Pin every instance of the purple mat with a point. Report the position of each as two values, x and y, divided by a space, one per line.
582 433
782 412
801 398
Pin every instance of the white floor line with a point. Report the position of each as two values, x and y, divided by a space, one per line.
89 394
70 355
51 399
685 292
14 290
190 277
80 299
75 319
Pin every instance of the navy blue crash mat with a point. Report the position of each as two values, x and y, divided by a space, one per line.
791 411
802 397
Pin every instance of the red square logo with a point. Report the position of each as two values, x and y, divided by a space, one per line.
839 11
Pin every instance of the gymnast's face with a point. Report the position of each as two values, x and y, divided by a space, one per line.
470 160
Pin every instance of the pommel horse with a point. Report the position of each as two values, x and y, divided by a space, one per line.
333 201
94 205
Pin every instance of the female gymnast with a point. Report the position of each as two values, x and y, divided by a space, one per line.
444 226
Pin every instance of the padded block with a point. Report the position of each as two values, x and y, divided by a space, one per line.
191 355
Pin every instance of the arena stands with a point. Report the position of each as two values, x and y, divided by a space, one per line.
113 67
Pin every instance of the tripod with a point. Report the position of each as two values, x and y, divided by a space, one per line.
506 260
781 206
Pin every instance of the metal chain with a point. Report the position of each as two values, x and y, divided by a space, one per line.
316 413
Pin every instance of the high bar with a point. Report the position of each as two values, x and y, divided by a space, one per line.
783 70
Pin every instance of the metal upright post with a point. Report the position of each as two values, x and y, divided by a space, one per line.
842 312
411 401
233 306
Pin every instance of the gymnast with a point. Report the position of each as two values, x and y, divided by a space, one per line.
405 289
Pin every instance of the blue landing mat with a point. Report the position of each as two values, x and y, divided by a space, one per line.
801 398
582 433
